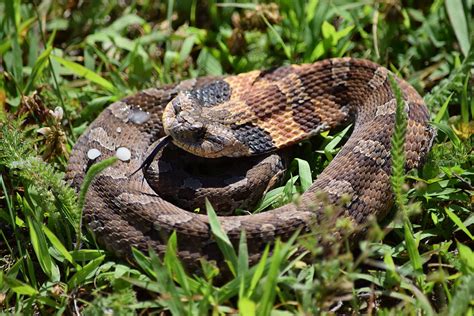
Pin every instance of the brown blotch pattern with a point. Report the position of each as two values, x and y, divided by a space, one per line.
266 102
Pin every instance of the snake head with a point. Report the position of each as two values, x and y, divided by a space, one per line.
195 128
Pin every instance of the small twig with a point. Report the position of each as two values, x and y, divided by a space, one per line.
439 265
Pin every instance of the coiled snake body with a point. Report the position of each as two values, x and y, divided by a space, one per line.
244 115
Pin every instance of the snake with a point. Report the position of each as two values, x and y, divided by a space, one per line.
237 130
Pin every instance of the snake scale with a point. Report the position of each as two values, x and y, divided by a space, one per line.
252 114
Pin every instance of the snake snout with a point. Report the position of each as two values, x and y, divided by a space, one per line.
187 129
198 130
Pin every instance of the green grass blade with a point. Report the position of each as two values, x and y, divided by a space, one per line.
446 129
19 287
422 301
265 305
145 284
442 110
174 265
330 148
168 288
458 20
415 258
13 19
143 262
40 246
88 74
463 297
259 271
456 220
57 244
86 273
466 255
243 258
275 33
246 307
222 239
304 171
93 171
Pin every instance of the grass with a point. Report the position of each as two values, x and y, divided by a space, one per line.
62 62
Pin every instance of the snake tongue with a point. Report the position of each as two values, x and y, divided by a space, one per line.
148 160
